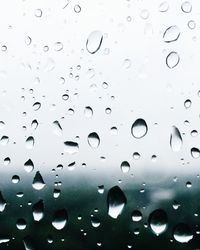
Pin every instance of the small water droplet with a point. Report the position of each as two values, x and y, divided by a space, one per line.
94 41
34 124
28 166
171 34
38 182
2 202
71 147
136 216
21 224
38 12
125 167
36 106
164 6
195 152
116 201
77 8
58 46
57 128
186 7
182 233
15 179
172 59
158 221
93 140
187 104
95 221
139 128
88 112
60 219
175 139
38 210
4 140
30 142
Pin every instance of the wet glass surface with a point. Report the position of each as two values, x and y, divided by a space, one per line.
99 121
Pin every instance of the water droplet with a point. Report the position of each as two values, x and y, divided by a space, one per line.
127 63
175 139
136 215
88 112
15 179
139 128
125 167
195 152
187 104
191 24
2 202
30 142
77 8
116 201
28 40
21 224
182 233
28 166
194 133
171 34
58 46
94 41
4 140
56 193
93 140
57 128
71 147
28 243
34 124
144 14
38 210
186 7
38 12
101 189
95 221
172 59
60 219
36 106
158 221
164 6
136 155
38 182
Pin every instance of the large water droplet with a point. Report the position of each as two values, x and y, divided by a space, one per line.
116 201
21 224
60 219
158 221
2 202
30 142
71 147
38 210
94 41
186 7
57 128
136 215
171 34
38 182
195 152
28 166
125 167
93 140
139 128
182 233
175 139
172 59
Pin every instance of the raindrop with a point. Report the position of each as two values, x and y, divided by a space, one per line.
175 139
95 221
4 239
58 46
171 34
158 221
136 155
93 140
164 6
182 233
57 128
136 216
172 59
28 243
2 202
194 133
28 40
116 201
94 41
60 219
28 166
30 142
56 193
139 128
38 182
77 8
21 224
88 112
125 167
191 24
34 124
38 12
36 106
71 147
15 179
4 140
38 210
195 152
186 7
187 104
101 189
